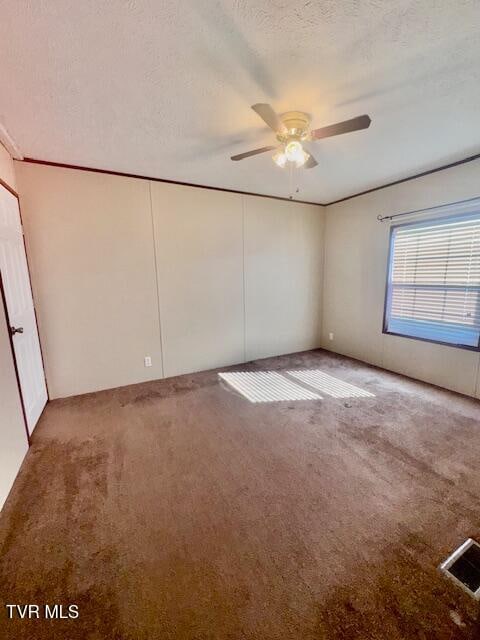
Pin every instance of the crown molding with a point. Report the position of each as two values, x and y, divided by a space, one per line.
412 177
62 165
249 193
9 143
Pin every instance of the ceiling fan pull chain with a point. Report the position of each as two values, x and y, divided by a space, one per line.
291 178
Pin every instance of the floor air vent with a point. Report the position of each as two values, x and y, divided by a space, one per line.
463 567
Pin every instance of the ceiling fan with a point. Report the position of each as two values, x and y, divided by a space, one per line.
292 130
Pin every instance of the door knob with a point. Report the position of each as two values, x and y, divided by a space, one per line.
14 330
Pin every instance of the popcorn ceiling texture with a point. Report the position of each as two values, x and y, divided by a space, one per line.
163 88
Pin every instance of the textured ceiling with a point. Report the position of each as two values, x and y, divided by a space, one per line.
163 87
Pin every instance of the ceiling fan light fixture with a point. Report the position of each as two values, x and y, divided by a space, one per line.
291 129
301 160
280 159
294 151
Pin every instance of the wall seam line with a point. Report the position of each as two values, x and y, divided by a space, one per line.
323 277
324 281
244 284
477 378
160 328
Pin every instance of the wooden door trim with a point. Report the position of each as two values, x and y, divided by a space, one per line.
31 293
8 188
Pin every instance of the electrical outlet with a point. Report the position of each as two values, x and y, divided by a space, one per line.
330 336
148 361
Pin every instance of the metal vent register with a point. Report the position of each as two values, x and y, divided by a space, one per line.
463 567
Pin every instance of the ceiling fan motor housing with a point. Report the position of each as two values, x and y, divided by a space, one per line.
296 124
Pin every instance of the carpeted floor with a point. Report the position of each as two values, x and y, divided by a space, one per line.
180 510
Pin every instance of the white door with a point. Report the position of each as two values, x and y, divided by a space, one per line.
21 313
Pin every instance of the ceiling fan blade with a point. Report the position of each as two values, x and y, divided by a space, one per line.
268 115
255 152
355 124
311 162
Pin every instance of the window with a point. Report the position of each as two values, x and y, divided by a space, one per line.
433 287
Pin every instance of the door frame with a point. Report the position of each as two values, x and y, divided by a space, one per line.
7 318
12 349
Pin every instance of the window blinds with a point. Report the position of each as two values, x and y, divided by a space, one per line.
433 289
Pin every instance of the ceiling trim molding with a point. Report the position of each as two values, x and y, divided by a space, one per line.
183 184
251 193
412 177
9 143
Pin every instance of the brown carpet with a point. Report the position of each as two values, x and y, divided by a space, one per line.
179 510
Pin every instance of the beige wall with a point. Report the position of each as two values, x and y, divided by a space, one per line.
283 257
199 248
356 254
123 268
13 438
89 241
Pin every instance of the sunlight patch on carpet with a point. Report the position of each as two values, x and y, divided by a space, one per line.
267 386
328 384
